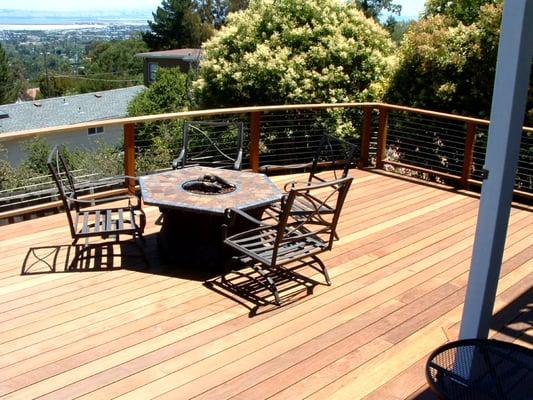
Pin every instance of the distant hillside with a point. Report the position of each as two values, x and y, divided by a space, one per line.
69 17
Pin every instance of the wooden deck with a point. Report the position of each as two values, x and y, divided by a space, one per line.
113 329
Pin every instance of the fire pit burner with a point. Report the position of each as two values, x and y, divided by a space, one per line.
208 184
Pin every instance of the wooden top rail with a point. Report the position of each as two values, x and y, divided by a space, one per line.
227 111
161 117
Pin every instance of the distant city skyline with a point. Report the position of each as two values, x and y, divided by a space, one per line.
69 5
410 8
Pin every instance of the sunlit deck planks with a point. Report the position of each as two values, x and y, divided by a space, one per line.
399 273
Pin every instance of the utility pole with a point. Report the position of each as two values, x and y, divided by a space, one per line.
46 71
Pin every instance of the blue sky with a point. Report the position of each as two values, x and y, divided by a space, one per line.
410 8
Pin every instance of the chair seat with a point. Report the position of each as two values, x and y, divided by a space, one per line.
104 222
259 243
303 227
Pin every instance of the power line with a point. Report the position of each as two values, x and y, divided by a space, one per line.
118 72
93 79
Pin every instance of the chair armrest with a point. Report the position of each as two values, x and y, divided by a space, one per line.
311 185
267 168
99 200
238 162
296 185
118 177
179 160
231 213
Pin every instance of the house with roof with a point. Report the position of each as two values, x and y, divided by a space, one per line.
66 110
185 59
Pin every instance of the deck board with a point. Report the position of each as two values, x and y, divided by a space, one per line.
399 273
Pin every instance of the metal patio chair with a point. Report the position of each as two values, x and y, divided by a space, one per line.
289 237
333 152
102 222
213 144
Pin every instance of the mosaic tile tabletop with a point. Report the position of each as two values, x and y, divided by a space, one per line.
165 190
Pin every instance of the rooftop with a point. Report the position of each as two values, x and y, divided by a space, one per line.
114 328
67 110
178 54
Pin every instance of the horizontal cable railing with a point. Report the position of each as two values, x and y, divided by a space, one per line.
291 137
434 146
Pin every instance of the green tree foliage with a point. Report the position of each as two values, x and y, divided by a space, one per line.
8 86
37 151
108 65
177 24
167 94
158 142
215 12
397 29
294 51
448 66
52 81
460 11
111 65
188 23
373 8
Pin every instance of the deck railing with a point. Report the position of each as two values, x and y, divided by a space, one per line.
430 145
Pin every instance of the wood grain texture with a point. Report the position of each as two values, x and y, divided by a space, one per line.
125 331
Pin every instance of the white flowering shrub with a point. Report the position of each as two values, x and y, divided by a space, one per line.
295 51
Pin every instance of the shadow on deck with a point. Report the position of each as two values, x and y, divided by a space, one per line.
127 330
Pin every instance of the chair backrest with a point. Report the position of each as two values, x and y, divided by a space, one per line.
312 211
215 144
335 153
65 182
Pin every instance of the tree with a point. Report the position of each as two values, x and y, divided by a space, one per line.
176 24
448 66
216 12
159 141
53 81
373 8
8 87
167 94
37 150
294 51
465 11
112 64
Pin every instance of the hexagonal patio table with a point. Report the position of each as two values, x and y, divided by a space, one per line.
191 231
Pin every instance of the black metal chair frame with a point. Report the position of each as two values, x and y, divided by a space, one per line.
233 161
95 222
324 150
325 145
290 237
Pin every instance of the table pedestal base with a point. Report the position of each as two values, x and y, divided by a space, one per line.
194 240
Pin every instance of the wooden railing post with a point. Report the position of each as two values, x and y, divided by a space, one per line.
255 135
382 136
469 153
129 155
365 136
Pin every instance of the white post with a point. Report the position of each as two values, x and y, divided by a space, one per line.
507 116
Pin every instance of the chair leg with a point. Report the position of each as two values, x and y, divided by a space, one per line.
141 248
323 268
269 284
